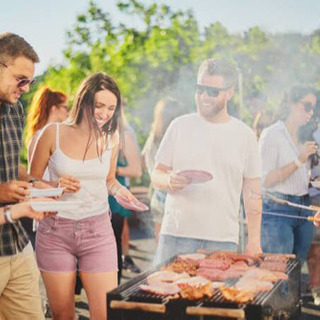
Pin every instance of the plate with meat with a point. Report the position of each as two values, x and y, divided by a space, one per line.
131 205
196 176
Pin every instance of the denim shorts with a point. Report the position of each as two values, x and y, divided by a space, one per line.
62 243
286 235
170 246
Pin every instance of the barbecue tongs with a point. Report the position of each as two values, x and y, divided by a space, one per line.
288 203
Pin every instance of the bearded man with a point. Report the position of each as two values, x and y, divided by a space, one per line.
206 215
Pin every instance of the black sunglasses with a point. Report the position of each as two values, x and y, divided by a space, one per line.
308 106
20 82
211 91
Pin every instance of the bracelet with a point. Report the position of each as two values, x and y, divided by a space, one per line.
115 192
298 163
7 214
5 217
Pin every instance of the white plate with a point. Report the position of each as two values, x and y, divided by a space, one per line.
315 184
54 206
50 192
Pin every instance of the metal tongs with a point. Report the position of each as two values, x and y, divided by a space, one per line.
288 203
281 201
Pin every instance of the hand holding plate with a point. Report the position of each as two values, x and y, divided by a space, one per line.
177 182
71 184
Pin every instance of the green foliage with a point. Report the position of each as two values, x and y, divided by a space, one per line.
160 55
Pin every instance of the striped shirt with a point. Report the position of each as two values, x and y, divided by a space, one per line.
13 237
277 150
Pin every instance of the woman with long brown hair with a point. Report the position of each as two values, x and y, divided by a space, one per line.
286 160
81 155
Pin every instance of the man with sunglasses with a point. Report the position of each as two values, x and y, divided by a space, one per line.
206 215
19 289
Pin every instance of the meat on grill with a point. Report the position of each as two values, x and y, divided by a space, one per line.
195 292
214 264
166 276
161 288
193 281
219 275
276 257
279 266
265 275
233 257
237 295
192 256
254 285
182 265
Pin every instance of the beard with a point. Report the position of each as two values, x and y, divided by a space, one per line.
209 109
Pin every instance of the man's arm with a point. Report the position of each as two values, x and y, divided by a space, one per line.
253 209
23 209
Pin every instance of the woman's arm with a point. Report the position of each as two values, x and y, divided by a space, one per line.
131 153
277 176
114 186
42 152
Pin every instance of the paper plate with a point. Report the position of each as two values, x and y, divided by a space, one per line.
50 192
54 206
196 176
132 205
315 184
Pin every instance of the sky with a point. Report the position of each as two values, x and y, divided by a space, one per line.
43 23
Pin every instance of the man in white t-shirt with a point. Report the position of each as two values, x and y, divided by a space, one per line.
206 215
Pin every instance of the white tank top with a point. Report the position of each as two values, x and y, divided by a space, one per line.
92 174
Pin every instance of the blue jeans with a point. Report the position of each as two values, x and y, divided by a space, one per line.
170 246
286 235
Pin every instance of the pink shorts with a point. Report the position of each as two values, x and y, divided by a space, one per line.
63 243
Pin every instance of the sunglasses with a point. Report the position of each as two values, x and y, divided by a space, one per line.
20 82
308 106
211 91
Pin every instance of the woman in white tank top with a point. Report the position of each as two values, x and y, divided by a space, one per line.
81 156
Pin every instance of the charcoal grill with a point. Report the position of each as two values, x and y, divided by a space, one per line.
128 302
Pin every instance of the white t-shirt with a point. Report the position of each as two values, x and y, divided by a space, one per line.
229 152
277 150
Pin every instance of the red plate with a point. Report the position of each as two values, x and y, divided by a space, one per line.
196 176
132 205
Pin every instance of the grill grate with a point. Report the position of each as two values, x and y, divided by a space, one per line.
284 296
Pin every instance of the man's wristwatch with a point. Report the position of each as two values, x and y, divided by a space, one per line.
32 180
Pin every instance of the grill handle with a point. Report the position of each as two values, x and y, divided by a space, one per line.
222 312
131 305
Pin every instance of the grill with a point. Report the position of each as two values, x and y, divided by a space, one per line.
128 302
